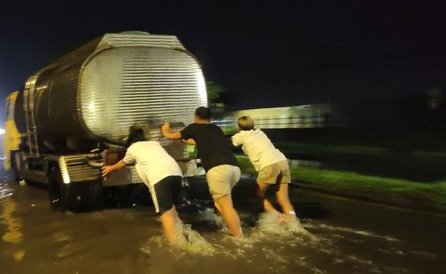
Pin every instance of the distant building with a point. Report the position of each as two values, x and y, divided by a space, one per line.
303 116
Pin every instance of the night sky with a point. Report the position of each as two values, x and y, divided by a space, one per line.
263 53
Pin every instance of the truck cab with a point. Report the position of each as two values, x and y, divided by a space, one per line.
11 136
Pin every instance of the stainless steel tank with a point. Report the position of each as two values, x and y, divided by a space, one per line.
97 91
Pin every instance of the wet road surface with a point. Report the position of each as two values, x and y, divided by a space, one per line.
346 236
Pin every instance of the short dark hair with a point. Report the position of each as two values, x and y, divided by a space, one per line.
203 113
136 134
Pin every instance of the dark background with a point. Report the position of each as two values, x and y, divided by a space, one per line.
262 53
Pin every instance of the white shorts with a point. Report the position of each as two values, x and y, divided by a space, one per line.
221 179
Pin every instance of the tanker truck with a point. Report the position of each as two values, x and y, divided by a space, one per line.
73 115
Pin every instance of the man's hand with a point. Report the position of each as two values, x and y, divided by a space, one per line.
191 142
106 170
165 128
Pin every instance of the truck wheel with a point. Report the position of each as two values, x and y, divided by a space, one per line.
76 197
85 196
15 167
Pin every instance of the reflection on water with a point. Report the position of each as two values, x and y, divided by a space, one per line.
5 191
13 226
358 232
350 237
13 231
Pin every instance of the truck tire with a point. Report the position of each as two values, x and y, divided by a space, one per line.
76 197
15 167
85 196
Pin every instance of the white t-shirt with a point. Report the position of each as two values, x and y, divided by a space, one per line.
153 163
261 152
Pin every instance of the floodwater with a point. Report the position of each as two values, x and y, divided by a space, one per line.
336 236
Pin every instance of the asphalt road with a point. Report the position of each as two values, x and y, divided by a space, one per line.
345 236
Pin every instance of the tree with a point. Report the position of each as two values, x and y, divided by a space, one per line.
214 92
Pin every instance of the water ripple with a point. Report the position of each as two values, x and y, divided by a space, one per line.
5 191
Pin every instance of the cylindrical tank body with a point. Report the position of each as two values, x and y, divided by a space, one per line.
101 89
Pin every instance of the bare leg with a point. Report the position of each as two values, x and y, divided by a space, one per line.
229 214
284 201
175 215
170 222
262 187
218 207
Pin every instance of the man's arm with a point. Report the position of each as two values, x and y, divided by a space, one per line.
173 135
235 140
232 142
109 169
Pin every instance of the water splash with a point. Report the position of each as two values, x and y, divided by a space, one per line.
269 228
273 224
208 215
193 242
267 243
188 240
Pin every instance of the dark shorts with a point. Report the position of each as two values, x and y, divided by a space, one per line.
167 193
